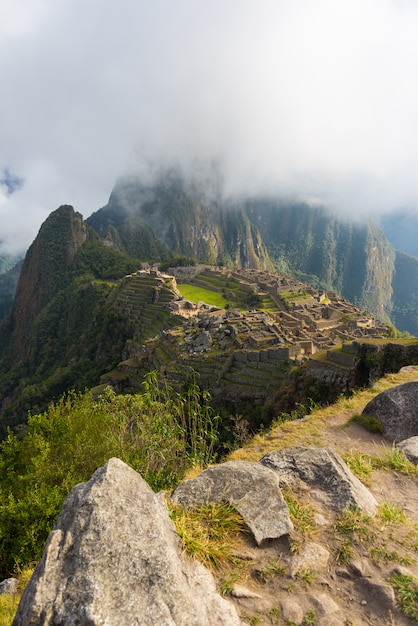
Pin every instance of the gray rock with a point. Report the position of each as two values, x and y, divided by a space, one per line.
114 558
325 473
313 557
252 489
292 612
239 591
9 586
410 448
397 410
379 593
324 604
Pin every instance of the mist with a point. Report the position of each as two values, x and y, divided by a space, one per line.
303 99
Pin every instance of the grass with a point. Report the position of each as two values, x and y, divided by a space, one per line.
395 460
360 464
354 524
199 294
406 590
310 618
307 577
369 422
10 602
273 568
211 533
391 460
390 512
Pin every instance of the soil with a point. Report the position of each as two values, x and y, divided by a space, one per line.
329 591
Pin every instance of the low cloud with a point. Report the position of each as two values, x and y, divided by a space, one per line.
297 98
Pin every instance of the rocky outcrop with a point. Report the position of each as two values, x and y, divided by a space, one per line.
328 477
114 558
252 489
396 409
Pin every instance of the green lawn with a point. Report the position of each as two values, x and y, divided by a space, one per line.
197 294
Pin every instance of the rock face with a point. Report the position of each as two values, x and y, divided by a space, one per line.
114 558
397 410
254 490
325 472
410 449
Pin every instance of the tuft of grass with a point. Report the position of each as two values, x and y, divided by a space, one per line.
310 618
8 608
351 526
369 422
302 515
307 576
394 459
344 551
406 589
274 568
390 512
275 615
360 464
355 524
211 533
381 553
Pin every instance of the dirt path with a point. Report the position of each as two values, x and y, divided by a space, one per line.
355 593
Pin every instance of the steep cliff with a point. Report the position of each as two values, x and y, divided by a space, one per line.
188 219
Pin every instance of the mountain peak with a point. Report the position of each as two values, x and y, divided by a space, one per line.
46 266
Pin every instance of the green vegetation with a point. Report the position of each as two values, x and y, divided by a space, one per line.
369 422
273 568
211 533
392 459
158 433
406 589
10 602
360 464
177 261
199 294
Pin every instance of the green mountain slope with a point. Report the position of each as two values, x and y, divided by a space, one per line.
61 333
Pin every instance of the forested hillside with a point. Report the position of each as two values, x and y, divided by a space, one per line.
60 334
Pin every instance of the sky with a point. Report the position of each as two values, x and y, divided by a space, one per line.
311 99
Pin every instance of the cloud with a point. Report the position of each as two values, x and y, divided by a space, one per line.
297 97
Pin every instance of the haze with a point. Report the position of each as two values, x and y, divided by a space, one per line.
304 98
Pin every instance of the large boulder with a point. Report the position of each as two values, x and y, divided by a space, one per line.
397 410
325 473
114 558
252 489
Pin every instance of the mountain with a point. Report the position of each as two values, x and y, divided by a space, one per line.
354 259
405 293
59 333
187 220
8 284
401 228
73 319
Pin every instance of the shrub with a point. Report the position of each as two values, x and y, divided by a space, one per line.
157 433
